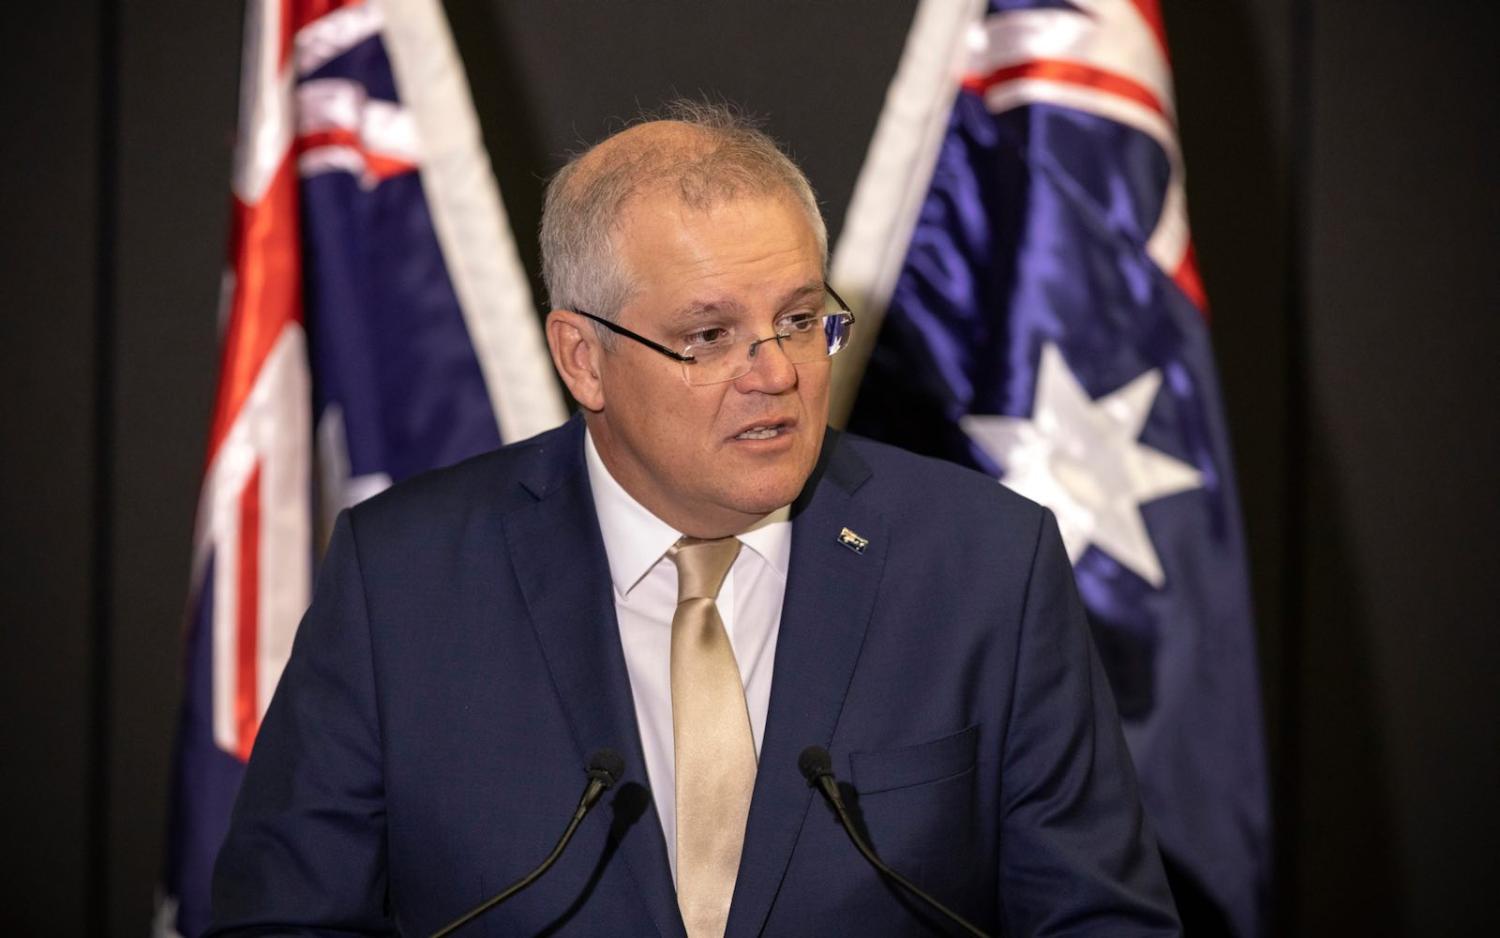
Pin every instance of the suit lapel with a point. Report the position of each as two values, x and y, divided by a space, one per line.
559 559
830 594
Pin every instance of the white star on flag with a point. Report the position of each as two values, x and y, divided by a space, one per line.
1082 458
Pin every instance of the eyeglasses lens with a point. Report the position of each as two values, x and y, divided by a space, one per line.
811 341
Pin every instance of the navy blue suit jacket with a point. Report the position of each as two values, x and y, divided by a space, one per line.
461 659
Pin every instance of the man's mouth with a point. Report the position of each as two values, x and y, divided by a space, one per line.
762 431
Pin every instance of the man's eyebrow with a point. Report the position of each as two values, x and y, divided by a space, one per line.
810 288
697 309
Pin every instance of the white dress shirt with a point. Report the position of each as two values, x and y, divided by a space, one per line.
645 591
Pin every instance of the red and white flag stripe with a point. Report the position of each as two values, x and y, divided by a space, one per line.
255 510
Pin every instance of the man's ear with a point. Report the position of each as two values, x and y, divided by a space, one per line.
576 353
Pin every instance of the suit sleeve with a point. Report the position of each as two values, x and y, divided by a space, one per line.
1077 854
305 852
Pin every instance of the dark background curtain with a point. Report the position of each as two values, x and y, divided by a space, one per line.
1342 186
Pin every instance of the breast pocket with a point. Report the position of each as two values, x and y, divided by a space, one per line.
933 761
917 805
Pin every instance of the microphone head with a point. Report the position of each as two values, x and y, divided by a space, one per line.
815 764
606 766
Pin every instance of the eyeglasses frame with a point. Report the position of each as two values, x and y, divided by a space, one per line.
618 329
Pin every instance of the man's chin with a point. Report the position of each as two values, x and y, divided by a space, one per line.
772 494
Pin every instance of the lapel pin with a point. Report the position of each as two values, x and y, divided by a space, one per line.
853 541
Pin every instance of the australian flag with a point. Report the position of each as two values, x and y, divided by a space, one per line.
1048 326
376 323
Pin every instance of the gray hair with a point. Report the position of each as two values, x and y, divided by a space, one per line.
715 156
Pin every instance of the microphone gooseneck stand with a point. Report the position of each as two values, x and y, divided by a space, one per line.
605 768
817 768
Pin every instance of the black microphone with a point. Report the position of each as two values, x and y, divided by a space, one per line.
605 768
817 768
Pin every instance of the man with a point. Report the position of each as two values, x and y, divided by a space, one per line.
699 575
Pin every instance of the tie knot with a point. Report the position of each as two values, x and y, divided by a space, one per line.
702 565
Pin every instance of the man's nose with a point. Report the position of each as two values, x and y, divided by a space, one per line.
771 371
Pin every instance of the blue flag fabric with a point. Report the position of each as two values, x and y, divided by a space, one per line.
389 346
1034 334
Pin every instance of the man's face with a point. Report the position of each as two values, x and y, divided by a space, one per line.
710 460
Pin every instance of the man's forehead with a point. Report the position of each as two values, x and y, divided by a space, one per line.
652 220
709 304
772 224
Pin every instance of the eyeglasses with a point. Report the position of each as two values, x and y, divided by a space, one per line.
718 353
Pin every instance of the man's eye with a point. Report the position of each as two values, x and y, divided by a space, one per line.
713 335
797 322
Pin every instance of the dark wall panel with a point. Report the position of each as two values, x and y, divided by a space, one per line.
178 82
1402 731
49 161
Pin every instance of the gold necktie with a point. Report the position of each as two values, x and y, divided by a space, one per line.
713 748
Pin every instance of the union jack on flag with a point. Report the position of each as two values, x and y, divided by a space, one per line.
376 323
1045 323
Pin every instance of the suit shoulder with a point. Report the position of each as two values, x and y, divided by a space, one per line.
905 481
494 481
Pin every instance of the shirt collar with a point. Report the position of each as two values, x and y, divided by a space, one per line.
635 539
